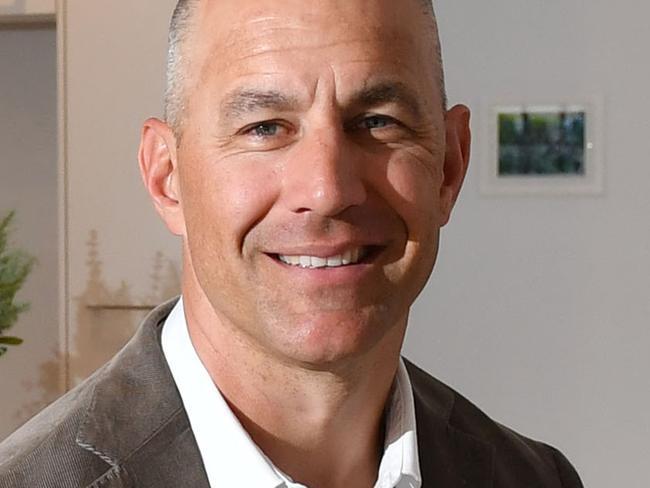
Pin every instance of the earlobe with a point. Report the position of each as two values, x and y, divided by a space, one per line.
457 152
159 171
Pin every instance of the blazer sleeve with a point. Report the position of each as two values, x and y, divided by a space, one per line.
568 475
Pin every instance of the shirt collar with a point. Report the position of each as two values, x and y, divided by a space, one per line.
400 466
231 457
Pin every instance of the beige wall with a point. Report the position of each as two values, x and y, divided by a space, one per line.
118 251
29 374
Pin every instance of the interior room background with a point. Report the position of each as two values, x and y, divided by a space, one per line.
538 308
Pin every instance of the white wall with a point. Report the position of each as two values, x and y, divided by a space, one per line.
539 306
28 184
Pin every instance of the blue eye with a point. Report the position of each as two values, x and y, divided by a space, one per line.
265 129
377 122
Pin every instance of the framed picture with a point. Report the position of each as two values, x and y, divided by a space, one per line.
543 149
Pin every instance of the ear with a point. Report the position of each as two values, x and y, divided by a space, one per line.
457 149
159 169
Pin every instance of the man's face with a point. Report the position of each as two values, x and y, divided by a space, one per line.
311 170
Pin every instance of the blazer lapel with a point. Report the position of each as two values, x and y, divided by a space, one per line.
449 458
136 421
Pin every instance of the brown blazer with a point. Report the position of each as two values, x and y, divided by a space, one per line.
126 427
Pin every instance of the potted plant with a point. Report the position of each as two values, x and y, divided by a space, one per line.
15 266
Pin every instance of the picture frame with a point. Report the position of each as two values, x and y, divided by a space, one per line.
543 148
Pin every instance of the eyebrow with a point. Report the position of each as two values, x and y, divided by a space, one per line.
243 101
388 92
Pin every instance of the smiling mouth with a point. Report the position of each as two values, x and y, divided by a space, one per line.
350 257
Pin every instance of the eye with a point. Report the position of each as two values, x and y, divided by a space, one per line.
266 135
264 129
377 122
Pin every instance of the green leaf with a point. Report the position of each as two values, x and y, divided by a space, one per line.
11 341
15 266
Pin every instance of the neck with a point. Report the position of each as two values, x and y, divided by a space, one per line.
299 413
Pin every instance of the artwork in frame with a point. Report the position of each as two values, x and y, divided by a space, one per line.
543 149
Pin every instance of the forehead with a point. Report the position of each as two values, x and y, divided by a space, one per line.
238 39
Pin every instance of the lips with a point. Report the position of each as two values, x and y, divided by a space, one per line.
350 256
328 257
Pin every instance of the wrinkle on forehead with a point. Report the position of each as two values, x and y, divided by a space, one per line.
257 56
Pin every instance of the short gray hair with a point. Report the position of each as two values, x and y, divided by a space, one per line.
177 67
430 13
179 30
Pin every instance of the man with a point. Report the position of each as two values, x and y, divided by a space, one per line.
308 163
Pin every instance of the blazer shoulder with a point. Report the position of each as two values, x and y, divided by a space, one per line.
567 473
515 457
517 453
80 439
44 451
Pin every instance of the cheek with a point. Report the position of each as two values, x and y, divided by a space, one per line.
412 188
223 200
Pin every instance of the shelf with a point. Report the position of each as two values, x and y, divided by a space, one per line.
127 307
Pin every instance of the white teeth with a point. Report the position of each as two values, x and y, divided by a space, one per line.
335 261
349 257
294 260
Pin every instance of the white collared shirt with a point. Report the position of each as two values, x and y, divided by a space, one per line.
231 458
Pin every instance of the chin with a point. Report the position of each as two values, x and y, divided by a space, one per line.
321 342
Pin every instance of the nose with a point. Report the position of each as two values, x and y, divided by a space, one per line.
323 175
